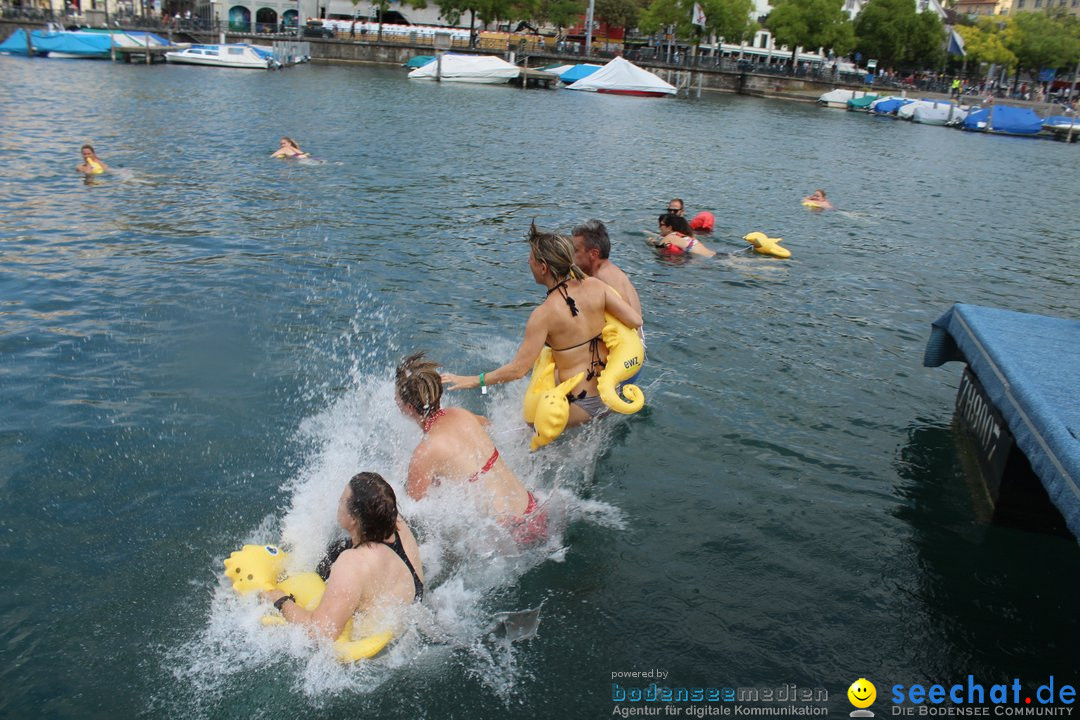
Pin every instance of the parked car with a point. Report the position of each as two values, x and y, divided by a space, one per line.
317 30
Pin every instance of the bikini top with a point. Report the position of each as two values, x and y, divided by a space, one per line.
339 546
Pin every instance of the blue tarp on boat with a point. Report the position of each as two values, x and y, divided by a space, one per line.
888 107
578 72
1005 119
82 44
419 61
1028 366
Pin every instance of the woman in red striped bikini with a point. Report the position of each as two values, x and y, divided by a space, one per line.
456 448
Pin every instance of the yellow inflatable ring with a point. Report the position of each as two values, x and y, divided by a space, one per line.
765 245
257 567
815 204
626 356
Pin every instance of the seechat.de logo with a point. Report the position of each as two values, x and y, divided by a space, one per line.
862 694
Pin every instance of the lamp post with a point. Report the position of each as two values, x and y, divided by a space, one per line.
588 28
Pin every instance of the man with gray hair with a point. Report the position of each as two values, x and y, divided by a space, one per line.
591 249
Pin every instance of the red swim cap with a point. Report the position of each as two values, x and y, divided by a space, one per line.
703 221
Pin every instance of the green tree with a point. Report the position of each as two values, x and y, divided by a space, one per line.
983 43
729 19
618 13
812 24
1041 41
892 32
926 46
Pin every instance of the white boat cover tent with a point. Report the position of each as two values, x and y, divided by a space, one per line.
621 75
475 68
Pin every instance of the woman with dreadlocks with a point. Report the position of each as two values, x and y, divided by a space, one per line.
569 321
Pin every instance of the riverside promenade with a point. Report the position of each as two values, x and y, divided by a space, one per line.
692 75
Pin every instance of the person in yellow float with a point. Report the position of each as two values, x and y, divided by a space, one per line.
817 200
569 320
91 164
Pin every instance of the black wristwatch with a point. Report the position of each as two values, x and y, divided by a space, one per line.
280 602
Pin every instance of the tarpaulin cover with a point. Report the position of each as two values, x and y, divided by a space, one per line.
1029 366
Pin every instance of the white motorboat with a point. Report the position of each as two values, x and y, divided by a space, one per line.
239 55
839 98
939 113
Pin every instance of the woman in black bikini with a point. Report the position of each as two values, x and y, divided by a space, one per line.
377 567
569 321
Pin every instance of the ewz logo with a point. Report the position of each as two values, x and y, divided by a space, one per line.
631 362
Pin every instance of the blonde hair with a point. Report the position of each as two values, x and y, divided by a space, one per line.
556 251
419 385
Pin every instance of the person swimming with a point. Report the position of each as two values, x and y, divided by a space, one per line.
377 567
457 448
817 200
289 150
91 164
569 321
676 237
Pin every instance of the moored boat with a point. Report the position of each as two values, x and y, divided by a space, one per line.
1004 120
237 55
482 69
622 77
839 98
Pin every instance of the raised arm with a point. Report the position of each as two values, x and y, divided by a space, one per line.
519 367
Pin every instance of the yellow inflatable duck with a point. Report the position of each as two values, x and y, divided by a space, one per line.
542 379
626 355
765 245
257 567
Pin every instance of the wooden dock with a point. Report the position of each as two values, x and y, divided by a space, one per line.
142 54
531 78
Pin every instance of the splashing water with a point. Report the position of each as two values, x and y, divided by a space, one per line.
471 564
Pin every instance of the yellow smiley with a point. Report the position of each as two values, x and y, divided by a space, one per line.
862 693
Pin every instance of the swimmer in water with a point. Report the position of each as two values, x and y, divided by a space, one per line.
91 164
456 448
676 237
376 567
289 150
818 200
569 321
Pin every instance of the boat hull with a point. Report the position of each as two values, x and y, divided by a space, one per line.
242 64
633 93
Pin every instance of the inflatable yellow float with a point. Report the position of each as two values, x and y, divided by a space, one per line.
258 567
626 356
765 245
817 204
545 405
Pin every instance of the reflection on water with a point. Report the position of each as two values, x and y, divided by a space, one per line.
196 352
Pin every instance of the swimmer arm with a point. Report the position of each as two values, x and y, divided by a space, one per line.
339 602
621 309
519 367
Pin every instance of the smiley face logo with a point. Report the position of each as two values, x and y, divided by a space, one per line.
862 693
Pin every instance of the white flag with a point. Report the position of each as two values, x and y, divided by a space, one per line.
699 16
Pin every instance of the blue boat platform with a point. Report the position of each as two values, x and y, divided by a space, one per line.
1021 390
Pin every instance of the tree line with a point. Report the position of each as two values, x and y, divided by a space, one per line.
891 31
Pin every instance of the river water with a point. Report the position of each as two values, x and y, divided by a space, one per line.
196 351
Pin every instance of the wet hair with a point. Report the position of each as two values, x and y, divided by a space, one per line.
419 385
373 503
677 223
290 141
595 237
819 190
88 147
556 251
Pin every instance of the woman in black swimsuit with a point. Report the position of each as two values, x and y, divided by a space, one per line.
378 566
569 321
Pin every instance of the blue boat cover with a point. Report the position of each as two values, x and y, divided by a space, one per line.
15 44
419 61
889 107
1006 119
59 42
577 72
1028 366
